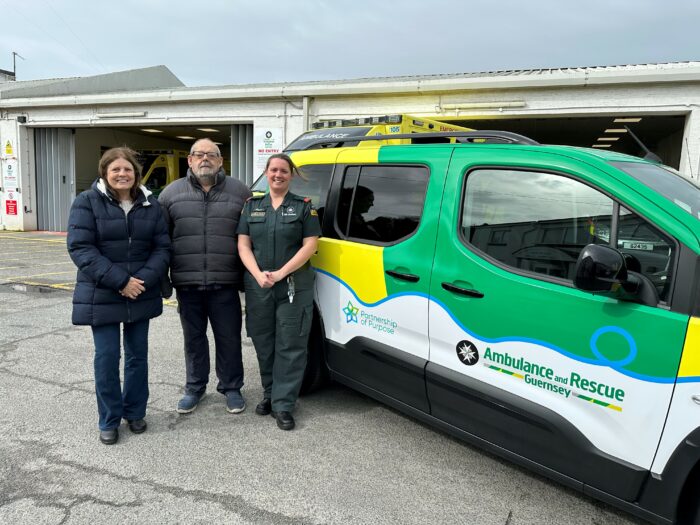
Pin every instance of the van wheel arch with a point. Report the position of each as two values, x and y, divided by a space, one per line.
316 374
689 500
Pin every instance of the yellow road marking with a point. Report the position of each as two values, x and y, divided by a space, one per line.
29 243
34 251
61 240
60 286
39 275
18 258
33 265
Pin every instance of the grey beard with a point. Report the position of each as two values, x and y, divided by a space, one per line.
207 179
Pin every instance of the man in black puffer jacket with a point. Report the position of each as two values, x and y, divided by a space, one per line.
202 212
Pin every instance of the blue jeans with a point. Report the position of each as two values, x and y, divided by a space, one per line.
113 402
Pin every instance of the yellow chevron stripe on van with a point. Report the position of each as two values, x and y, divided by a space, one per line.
360 266
690 362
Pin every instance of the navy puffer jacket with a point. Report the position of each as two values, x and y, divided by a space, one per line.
109 247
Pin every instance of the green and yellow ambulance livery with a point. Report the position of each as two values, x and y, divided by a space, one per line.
542 302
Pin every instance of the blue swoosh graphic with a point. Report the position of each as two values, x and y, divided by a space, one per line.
615 365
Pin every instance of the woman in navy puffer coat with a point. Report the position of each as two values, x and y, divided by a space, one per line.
119 241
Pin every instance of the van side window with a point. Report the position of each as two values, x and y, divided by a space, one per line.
537 222
318 179
648 251
381 204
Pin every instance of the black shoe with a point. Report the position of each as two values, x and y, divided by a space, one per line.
264 407
109 437
284 420
137 426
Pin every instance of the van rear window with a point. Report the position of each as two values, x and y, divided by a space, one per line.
683 192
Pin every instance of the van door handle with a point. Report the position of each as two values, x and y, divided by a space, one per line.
411 278
462 291
696 398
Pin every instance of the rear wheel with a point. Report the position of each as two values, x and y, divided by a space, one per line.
689 508
316 373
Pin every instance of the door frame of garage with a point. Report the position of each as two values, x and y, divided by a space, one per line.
54 150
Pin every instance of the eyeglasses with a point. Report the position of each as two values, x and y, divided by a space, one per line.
208 154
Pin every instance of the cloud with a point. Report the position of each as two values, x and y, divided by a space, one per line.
244 41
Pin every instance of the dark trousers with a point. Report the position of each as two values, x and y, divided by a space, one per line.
113 402
280 333
221 308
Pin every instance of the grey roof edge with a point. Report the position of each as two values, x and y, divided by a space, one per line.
142 79
511 79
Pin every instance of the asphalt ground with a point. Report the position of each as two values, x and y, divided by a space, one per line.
350 459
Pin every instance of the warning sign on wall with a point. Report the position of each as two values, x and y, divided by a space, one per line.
9 175
8 148
10 207
268 141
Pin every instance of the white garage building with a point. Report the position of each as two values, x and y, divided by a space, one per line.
52 132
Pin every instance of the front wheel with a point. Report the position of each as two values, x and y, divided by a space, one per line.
316 374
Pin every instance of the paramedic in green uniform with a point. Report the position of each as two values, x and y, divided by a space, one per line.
277 234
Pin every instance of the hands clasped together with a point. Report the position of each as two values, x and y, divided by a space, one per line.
268 279
133 288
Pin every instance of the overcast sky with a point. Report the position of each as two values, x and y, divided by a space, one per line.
221 42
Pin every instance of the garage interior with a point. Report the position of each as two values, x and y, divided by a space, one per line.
662 135
149 142
67 159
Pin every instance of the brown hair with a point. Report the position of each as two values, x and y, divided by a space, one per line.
292 167
128 155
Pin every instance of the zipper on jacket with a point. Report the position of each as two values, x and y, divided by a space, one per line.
128 253
206 213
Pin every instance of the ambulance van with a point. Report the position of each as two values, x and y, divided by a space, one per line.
542 302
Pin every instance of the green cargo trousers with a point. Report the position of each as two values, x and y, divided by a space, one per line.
280 333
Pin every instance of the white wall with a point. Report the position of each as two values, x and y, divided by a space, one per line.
11 158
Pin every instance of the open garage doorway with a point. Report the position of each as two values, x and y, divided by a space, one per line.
66 159
663 135
163 150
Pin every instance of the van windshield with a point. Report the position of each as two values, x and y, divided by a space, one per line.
683 192
318 138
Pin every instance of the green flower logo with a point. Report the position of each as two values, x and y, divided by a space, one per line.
350 312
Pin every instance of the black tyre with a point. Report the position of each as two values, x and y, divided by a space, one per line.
316 373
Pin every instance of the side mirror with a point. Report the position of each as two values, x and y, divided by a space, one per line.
600 269
603 270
